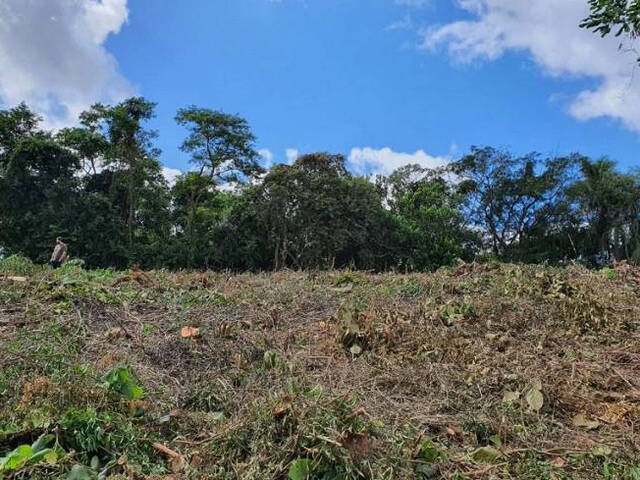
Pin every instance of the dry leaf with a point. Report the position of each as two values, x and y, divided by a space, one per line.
536 384
355 349
580 420
280 412
534 399
558 462
177 464
114 333
510 397
614 412
189 332
356 412
454 432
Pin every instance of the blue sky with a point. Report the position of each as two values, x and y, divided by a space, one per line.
377 80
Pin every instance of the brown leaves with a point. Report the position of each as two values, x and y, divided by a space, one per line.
190 332
358 446
581 421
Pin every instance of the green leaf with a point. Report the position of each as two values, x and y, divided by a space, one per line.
355 349
37 456
51 457
429 451
79 472
486 455
123 381
42 442
300 469
16 459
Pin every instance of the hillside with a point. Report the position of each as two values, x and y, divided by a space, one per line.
479 371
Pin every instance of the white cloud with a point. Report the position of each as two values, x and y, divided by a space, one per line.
548 31
267 156
52 55
384 161
406 23
170 175
292 155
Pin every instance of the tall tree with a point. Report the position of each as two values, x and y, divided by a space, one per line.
128 153
39 191
15 124
609 204
509 196
222 147
428 212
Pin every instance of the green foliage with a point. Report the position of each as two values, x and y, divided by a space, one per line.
80 472
313 214
620 17
17 265
429 451
105 436
300 469
123 381
25 455
85 430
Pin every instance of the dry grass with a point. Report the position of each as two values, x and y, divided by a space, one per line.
273 376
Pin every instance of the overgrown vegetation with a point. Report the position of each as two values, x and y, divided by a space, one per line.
476 371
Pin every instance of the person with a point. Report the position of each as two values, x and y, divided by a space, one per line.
59 255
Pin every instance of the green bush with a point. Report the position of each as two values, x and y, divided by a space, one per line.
17 265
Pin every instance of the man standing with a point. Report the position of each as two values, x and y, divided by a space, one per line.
59 255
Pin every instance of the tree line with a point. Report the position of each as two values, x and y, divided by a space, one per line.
100 186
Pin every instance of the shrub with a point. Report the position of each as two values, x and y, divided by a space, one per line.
17 265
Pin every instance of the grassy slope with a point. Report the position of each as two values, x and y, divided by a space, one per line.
364 376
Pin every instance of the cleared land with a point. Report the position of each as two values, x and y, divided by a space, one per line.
479 371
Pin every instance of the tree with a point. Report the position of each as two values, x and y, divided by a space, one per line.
39 191
609 207
427 209
127 152
15 124
315 215
222 147
220 144
509 196
622 17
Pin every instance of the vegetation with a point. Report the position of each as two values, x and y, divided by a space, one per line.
473 372
620 17
100 187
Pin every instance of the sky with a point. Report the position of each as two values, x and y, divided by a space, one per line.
385 82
